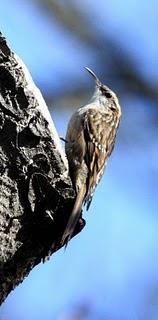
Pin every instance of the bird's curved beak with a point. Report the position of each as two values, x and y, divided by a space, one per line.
97 81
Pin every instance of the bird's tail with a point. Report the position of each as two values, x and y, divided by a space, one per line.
74 217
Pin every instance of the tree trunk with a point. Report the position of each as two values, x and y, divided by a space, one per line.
36 195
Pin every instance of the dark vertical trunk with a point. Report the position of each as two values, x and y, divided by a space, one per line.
36 195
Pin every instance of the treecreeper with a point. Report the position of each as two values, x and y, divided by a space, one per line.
89 142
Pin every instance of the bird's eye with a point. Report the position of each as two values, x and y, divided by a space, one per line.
106 93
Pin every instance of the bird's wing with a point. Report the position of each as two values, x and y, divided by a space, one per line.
100 131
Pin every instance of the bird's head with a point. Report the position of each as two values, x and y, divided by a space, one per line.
102 92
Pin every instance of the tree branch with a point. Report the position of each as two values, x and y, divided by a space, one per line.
36 195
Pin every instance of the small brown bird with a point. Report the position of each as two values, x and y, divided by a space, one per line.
90 140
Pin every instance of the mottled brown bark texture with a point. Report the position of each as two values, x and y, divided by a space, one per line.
36 194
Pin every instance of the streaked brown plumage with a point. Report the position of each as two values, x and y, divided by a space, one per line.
89 142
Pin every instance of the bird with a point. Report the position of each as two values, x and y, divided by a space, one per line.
89 142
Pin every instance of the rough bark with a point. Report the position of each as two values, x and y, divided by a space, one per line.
36 195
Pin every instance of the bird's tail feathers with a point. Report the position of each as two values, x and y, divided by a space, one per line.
74 217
